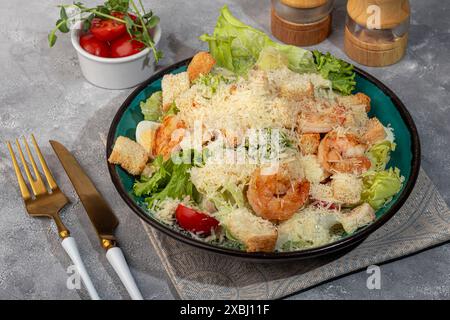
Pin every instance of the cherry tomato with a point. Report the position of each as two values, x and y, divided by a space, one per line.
194 221
107 29
94 46
125 46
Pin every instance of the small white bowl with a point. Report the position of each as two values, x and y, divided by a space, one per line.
116 73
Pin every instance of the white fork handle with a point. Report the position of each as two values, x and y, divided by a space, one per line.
118 262
71 248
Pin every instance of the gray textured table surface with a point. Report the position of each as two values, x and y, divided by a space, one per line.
42 91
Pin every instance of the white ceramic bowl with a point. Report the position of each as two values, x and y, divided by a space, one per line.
116 73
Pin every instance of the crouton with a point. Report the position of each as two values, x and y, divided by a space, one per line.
308 143
374 132
173 85
312 169
201 63
130 155
357 218
354 100
293 91
346 188
322 192
257 234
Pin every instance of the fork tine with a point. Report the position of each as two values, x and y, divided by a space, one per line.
22 185
40 186
25 166
48 174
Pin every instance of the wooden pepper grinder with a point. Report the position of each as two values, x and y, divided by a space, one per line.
301 22
376 32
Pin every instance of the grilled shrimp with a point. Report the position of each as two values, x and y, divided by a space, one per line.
321 122
374 132
201 63
343 153
277 196
168 136
308 143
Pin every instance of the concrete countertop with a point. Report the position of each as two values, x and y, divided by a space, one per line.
43 92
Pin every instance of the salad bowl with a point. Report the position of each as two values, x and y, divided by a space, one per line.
387 107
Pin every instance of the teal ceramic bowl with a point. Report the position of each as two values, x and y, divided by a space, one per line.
385 105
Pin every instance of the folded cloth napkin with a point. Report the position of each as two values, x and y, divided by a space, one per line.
422 222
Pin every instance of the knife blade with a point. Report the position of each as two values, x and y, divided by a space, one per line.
99 212
101 216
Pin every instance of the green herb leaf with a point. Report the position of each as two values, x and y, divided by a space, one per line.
62 26
152 22
63 14
118 5
52 39
103 10
148 15
87 23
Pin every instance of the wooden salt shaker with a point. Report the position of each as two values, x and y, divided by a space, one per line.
301 22
376 32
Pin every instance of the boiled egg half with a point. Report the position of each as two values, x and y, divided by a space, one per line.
145 134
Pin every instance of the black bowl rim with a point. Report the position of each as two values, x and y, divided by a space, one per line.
272 256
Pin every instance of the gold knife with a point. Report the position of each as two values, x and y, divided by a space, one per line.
100 214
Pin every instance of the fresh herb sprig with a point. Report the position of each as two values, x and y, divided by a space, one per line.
138 29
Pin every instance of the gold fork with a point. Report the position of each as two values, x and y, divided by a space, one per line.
42 203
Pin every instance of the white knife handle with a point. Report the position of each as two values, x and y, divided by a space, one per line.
71 248
118 262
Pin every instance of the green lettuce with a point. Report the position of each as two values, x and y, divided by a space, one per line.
228 197
236 46
212 80
271 59
173 110
170 180
161 176
380 187
152 107
379 154
339 72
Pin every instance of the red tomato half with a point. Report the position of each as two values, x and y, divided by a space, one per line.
125 46
107 29
94 46
194 221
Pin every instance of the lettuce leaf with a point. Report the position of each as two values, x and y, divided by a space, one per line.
170 180
229 197
339 72
271 59
379 154
236 46
152 107
380 187
211 80
147 185
173 110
